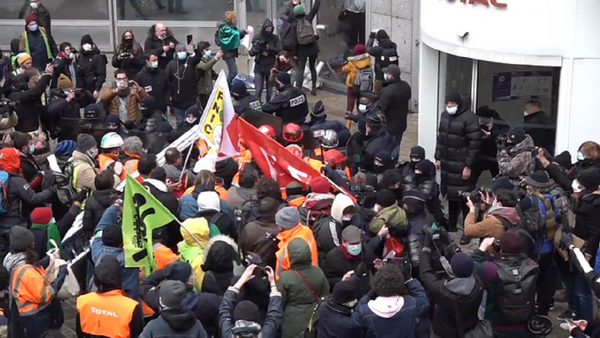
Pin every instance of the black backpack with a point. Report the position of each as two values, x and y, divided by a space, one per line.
516 291
289 37
246 213
532 219
388 57
528 242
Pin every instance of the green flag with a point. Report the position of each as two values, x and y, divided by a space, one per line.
142 213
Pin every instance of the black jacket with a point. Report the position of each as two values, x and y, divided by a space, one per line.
542 130
175 323
393 102
587 222
30 108
458 145
246 103
131 66
268 328
91 69
377 141
265 48
181 79
218 266
60 107
154 44
95 206
290 104
335 321
154 82
41 13
384 46
21 200
37 47
453 298
29 167
489 148
313 48
338 263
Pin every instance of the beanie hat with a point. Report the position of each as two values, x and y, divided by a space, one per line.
525 204
41 215
284 77
239 88
91 111
179 271
209 200
385 158
382 34
417 152
299 10
462 265
287 217
193 110
344 292
246 311
589 179
510 243
108 273
172 293
22 58
392 69
65 148
148 103
501 183
86 39
515 135
294 188
86 142
390 177
416 200
453 97
10 160
112 119
164 128
29 19
64 82
319 185
426 167
538 179
112 236
359 49
318 109
564 160
20 238
385 198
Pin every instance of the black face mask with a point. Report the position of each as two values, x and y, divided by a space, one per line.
280 89
267 34
378 169
128 41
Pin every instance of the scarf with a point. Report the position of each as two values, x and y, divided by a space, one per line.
63 56
53 234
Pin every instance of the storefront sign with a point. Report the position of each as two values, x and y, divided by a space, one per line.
487 3
522 86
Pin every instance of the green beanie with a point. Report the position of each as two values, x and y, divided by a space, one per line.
299 10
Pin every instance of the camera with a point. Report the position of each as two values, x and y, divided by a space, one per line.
475 195
254 258
124 55
7 103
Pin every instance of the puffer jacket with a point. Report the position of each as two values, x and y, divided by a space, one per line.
393 216
228 37
91 69
354 65
458 145
328 230
109 97
517 161
191 251
95 206
298 299
415 239
376 141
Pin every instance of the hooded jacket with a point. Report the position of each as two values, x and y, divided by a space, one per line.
384 46
297 297
228 37
392 216
335 320
491 225
95 206
175 323
393 102
265 48
377 140
193 252
254 236
91 69
518 160
328 230
237 196
155 45
154 82
354 65
218 265
182 81
29 109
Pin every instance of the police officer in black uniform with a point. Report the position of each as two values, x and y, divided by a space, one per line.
243 100
290 103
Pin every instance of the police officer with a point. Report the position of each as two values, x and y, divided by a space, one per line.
244 101
318 122
290 103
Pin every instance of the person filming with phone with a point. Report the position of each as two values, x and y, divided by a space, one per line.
123 97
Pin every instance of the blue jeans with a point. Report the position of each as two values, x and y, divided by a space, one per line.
180 114
259 80
232 70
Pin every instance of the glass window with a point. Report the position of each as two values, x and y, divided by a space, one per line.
459 75
256 13
184 10
59 9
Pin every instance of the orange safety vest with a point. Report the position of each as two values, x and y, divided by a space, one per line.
244 158
130 168
202 147
104 161
107 314
163 255
285 237
30 289
189 190
222 192
297 202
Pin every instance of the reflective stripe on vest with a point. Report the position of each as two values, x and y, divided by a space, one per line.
27 308
45 38
280 263
106 314
130 168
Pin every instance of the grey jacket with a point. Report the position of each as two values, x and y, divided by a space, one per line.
356 6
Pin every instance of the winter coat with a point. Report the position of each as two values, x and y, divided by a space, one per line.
155 45
228 37
379 320
174 323
40 45
59 106
377 141
489 147
312 49
517 161
290 104
181 79
491 225
91 69
86 175
339 262
328 230
393 102
265 48
188 205
110 97
254 239
205 75
542 130
29 109
8 124
461 294
298 299
414 235
268 328
130 66
384 46
237 196
458 145
335 321
154 82
95 206
354 65
587 221
21 202
42 16
393 216
219 256
193 252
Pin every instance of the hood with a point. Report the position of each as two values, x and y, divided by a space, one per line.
521 147
157 184
246 193
221 238
361 61
460 286
387 43
386 307
105 197
267 23
219 258
15 46
340 203
299 253
509 214
79 156
199 228
179 319
13 261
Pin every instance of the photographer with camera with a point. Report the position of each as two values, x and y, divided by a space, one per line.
265 48
129 55
66 102
493 130
123 98
28 89
510 281
500 217
8 120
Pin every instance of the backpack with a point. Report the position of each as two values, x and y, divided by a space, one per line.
528 242
317 211
305 32
388 57
289 37
245 214
532 219
65 191
4 205
516 291
364 81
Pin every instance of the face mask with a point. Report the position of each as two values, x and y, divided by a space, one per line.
351 304
346 218
580 156
92 153
362 108
33 27
154 64
452 110
354 249
87 47
208 53
71 56
128 40
377 208
525 113
121 84
34 5
190 120
576 186
386 77
181 55
267 33
31 148
378 169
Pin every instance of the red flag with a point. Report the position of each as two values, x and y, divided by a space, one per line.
273 159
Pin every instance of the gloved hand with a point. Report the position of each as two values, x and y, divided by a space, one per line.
80 196
566 240
372 35
406 271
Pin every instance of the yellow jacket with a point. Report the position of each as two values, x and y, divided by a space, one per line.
354 64
190 250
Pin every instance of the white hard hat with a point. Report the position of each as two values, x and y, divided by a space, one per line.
111 140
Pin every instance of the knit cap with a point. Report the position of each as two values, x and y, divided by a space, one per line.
287 217
172 293
462 265
85 142
20 238
41 215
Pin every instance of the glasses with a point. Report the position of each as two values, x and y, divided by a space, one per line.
121 79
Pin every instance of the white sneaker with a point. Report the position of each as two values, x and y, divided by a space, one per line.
564 326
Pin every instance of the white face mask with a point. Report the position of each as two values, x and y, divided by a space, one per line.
346 218
452 110
207 53
190 120
87 47
580 156
154 64
377 208
33 27
351 304
362 108
525 113
34 5
576 186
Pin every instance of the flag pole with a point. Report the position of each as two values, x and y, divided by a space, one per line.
187 158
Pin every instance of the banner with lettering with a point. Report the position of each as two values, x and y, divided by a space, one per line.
142 213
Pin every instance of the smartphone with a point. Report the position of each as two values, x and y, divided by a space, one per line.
189 38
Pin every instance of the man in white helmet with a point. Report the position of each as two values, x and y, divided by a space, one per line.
110 148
